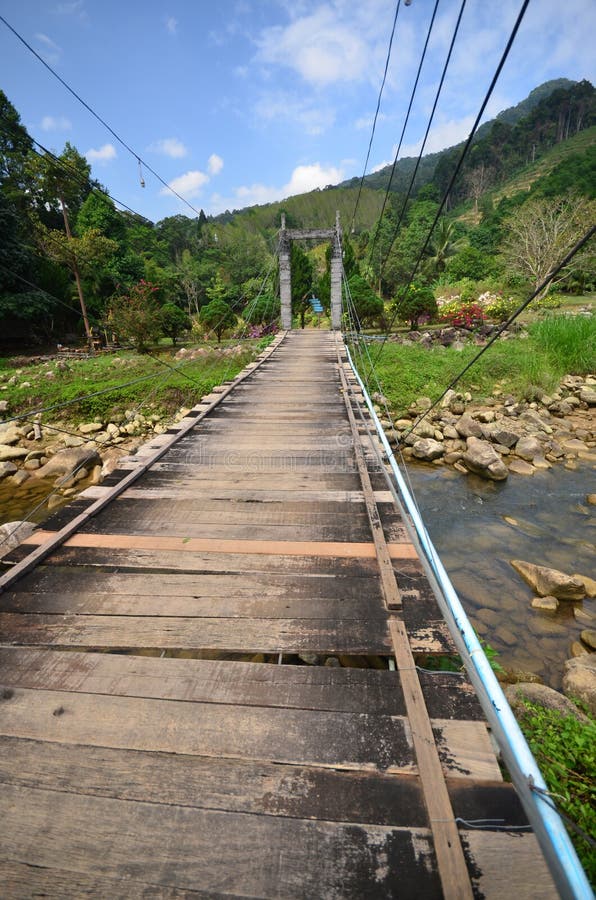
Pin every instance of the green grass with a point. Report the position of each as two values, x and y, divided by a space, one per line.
565 750
524 367
163 391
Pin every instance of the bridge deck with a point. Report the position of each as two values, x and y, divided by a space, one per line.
160 734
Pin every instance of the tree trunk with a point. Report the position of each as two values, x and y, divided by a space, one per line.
77 276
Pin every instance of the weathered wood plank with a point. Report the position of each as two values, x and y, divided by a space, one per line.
166 543
243 786
209 681
508 864
224 853
313 737
253 636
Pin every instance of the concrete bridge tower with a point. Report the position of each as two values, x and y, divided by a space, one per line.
285 275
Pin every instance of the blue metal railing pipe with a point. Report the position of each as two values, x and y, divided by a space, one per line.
560 855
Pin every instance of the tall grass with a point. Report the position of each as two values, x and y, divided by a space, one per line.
524 367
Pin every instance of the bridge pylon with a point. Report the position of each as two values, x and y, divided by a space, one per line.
285 273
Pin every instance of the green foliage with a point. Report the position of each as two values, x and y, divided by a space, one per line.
555 347
369 306
135 317
218 316
418 301
263 310
470 262
500 308
173 321
565 750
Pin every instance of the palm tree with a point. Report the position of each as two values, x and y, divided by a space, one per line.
442 245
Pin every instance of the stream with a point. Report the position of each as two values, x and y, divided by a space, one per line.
550 524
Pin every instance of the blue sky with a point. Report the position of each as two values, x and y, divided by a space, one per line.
239 102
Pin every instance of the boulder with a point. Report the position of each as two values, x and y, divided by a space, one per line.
543 696
11 435
579 680
90 427
588 583
588 636
521 467
9 453
588 395
468 427
549 582
482 459
66 461
428 449
528 447
7 468
12 533
547 604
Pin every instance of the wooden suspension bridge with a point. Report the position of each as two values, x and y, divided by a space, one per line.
160 735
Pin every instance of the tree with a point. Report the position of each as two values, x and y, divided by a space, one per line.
262 310
218 316
418 301
541 233
134 316
173 321
442 245
368 305
302 280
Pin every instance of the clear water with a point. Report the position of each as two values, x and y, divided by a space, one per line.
554 526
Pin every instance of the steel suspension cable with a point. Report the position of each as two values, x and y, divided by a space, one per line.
463 155
405 125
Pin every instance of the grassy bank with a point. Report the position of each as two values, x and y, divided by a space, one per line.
523 366
125 379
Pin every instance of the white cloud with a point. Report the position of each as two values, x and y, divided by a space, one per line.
169 147
51 52
188 185
215 164
303 179
75 8
443 134
319 46
103 155
365 122
279 105
172 25
55 123
241 71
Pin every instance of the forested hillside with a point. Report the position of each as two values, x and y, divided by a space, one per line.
71 263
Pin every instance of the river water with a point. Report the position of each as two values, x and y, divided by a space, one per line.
478 526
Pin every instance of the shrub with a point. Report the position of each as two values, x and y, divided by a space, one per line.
462 314
499 308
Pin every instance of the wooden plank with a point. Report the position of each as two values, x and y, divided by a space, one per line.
341 585
223 853
465 749
177 632
389 585
361 608
508 864
313 737
195 545
452 865
243 786
56 539
208 681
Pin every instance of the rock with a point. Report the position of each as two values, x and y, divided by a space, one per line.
468 427
32 464
591 499
452 457
19 478
9 453
579 680
577 649
547 604
333 662
528 447
549 582
574 446
588 636
13 533
428 449
481 458
583 616
7 468
539 462
311 659
543 696
450 433
588 583
3 406
90 427
514 676
70 440
66 461
485 415
521 467
588 395
11 435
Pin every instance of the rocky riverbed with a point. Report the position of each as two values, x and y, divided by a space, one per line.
499 435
